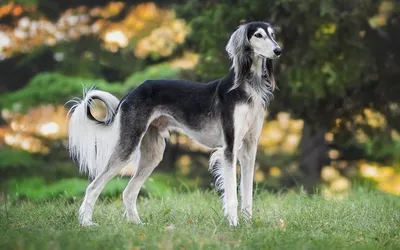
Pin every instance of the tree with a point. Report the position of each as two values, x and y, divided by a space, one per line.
339 58
50 51
339 67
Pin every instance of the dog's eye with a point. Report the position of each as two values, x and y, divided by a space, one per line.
273 35
258 35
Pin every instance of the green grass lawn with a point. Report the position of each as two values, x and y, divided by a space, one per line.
365 220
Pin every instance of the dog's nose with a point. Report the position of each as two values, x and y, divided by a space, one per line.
278 51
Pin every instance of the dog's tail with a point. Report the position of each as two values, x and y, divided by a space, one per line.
91 142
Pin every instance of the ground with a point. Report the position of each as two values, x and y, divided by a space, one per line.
366 219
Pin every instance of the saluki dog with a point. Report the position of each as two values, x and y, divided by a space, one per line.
226 115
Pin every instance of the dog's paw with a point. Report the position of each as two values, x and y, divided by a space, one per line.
130 217
233 222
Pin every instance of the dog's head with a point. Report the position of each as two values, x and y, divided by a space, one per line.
262 40
257 38
250 41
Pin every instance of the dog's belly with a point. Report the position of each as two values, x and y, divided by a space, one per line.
210 135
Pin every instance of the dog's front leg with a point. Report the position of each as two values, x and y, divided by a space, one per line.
230 197
247 158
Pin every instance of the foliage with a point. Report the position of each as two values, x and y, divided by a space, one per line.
145 29
365 220
50 88
326 48
334 65
153 72
337 74
53 88
37 189
17 158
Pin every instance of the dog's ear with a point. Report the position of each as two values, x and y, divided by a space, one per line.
237 41
270 69
239 51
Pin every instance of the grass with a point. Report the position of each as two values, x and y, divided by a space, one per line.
367 219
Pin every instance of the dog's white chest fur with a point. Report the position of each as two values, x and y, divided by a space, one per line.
245 118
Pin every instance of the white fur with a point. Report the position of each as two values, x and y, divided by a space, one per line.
256 66
243 117
230 185
248 120
265 45
236 43
247 156
90 143
271 32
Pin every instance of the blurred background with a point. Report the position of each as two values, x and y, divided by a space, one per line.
334 123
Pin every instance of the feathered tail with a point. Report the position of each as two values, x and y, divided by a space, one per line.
91 142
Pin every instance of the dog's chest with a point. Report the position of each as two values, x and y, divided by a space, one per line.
244 117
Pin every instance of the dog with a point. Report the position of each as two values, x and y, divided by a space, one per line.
226 115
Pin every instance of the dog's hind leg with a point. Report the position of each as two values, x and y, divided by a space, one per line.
131 135
94 189
151 153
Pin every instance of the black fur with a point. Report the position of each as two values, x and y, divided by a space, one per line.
205 111
253 27
192 104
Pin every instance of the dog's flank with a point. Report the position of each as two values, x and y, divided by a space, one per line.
223 114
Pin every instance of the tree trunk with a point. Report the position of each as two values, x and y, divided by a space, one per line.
313 156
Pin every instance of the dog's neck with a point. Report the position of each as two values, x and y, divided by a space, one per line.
257 67
259 80
255 81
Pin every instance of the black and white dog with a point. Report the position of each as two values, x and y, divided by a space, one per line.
226 115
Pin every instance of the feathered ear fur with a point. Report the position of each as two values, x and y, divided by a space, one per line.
270 69
239 51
